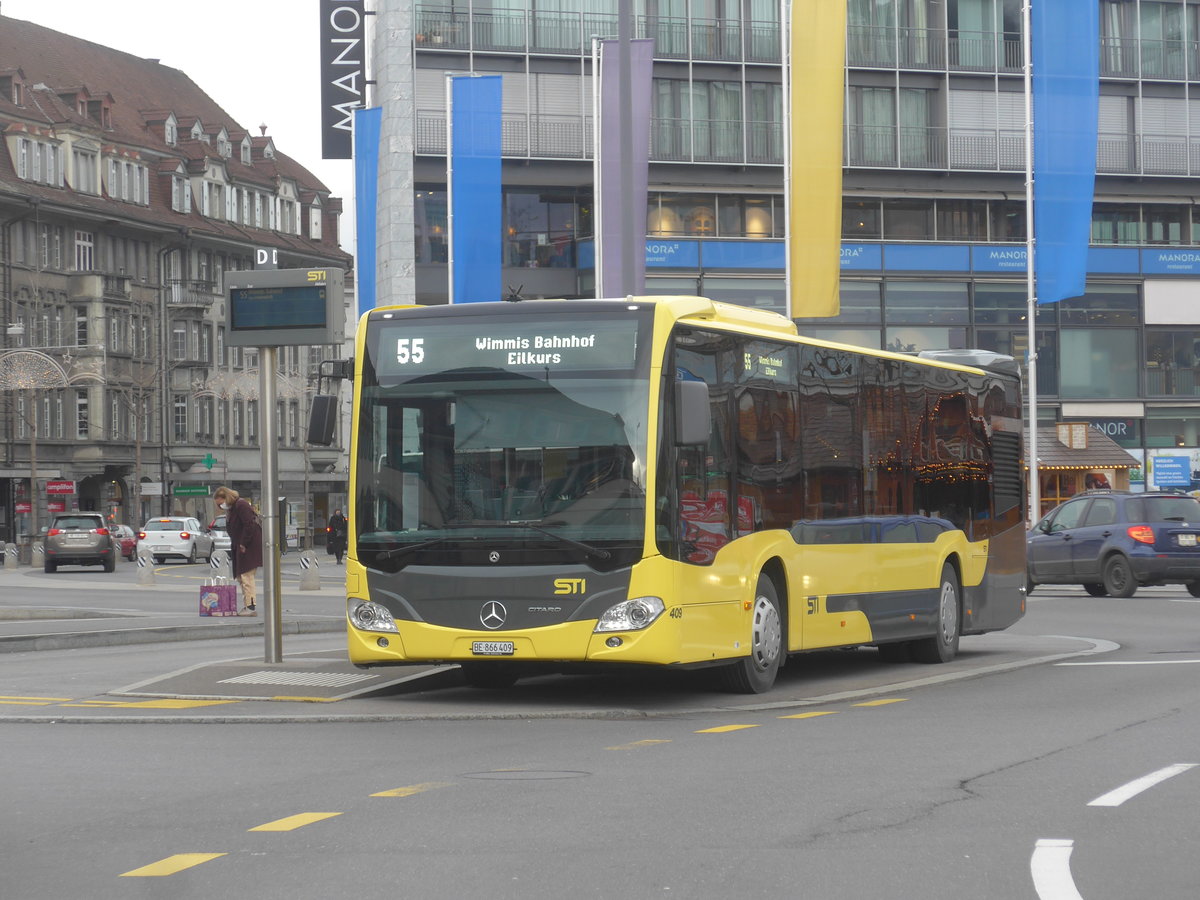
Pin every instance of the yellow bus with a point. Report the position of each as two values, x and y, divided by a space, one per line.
671 481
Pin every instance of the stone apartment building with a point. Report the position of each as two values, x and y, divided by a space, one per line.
126 194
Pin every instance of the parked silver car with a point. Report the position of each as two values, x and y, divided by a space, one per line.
220 534
175 537
79 539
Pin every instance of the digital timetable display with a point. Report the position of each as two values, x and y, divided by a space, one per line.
284 307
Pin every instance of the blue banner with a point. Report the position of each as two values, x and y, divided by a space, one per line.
366 193
476 247
1066 90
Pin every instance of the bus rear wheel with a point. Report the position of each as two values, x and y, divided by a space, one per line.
489 675
943 645
756 673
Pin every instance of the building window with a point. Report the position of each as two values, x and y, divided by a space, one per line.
181 194
1115 224
84 251
81 415
1099 363
314 223
179 418
39 161
861 220
86 175
178 340
81 327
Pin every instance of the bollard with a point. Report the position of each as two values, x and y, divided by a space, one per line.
222 565
310 576
145 570
38 559
10 556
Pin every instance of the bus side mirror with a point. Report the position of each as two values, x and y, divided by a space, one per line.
322 419
693 414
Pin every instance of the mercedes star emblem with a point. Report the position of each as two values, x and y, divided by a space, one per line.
493 614
494 556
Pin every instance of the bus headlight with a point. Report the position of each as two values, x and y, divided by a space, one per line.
631 615
366 615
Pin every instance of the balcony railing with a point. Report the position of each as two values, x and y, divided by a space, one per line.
189 292
570 33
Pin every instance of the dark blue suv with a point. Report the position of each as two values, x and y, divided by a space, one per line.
1112 541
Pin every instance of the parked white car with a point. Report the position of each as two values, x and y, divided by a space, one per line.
175 537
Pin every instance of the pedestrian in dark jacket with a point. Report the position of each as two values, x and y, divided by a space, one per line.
337 530
245 539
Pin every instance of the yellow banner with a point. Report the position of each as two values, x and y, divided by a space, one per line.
817 101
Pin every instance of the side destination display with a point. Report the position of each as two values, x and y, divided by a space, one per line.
284 307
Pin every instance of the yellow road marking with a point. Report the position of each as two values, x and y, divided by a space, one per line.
16 698
148 704
720 729
414 789
26 703
291 823
811 715
881 702
171 865
637 744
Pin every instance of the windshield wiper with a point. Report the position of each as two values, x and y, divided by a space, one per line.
405 549
598 552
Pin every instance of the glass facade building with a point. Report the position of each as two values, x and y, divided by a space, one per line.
933 223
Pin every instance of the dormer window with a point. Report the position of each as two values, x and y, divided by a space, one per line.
246 157
198 132
39 161
171 131
314 222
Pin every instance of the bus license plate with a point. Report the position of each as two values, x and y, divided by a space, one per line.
1187 540
492 648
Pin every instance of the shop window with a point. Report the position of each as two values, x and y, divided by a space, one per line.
1015 343
539 229
861 220
1115 224
760 293
1006 220
1165 224
859 304
1173 426
430 226
1099 363
1172 361
908 220
961 220
926 303
1102 304
914 340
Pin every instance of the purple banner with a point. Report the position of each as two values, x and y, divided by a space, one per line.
612 266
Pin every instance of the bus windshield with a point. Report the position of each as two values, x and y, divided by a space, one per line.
528 437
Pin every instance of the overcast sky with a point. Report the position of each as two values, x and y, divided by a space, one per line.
258 59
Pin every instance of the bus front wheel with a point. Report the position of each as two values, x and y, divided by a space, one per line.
943 645
756 673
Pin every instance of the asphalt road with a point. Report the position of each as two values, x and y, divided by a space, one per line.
1056 764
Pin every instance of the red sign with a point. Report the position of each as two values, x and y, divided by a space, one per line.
56 505
23 506
60 487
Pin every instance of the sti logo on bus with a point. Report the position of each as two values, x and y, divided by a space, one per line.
570 585
315 275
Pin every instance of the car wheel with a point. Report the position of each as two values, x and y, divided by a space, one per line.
1030 584
943 646
158 560
1095 590
191 558
756 673
1118 577
1193 588
50 566
110 564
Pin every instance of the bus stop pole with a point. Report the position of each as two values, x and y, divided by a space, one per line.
269 504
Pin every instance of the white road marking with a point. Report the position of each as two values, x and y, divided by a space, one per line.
1051 869
1143 662
1132 789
